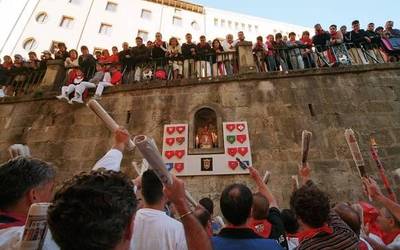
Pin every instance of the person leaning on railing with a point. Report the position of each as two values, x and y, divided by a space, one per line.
281 54
308 57
141 56
218 68
358 37
260 53
203 58
296 58
87 62
229 46
321 41
189 52
174 55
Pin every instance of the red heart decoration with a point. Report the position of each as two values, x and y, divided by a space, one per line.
170 141
230 127
180 153
179 167
233 164
232 151
170 130
180 129
241 138
169 154
180 140
240 126
243 150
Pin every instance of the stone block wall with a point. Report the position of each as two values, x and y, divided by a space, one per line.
277 108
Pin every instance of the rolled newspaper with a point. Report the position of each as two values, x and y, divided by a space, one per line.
150 152
355 151
305 145
35 227
107 119
295 179
266 177
381 169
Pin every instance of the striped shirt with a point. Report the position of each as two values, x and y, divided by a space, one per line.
342 238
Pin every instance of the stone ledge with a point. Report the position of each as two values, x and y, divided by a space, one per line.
159 84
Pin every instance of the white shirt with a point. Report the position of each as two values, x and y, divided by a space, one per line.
110 161
10 239
154 230
395 244
229 47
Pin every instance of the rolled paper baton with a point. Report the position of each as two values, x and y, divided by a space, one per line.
242 164
379 165
150 152
35 227
305 145
355 151
107 119
266 177
295 178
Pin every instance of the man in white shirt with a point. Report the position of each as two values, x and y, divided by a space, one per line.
151 222
229 45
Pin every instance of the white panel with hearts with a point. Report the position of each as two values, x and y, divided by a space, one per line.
179 162
175 147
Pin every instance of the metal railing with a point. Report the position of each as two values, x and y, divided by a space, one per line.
22 81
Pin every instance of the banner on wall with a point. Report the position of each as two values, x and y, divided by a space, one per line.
236 144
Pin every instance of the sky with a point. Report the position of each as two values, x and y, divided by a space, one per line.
310 12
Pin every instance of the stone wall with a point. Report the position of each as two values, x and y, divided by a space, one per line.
276 106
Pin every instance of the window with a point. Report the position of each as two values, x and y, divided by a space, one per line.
177 21
275 31
178 11
205 129
256 28
29 44
250 27
143 34
195 25
97 49
54 46
146 14
222 23
215 21
236 25
230 24
67 22
74 1
111 6
105 29
243 26
41 17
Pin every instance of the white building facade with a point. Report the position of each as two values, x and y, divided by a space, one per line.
101 24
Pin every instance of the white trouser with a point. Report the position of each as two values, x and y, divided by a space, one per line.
138 73
203 69
81 87
101 86
67 90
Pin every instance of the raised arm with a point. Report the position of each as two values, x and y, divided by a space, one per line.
262 187
112 159
196 236
376 194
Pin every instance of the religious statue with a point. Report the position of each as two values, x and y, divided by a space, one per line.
206 138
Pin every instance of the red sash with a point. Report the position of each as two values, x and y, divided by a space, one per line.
17 220
310 233
388 238
261 227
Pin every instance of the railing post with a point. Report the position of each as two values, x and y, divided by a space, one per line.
55 74
245 58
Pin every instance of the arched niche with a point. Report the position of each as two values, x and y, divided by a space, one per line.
205 131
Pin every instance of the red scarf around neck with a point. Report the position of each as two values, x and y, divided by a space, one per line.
388 238
19 220
310 233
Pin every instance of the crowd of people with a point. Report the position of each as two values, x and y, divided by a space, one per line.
105 210
160 59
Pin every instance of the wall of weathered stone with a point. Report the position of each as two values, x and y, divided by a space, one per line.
277 108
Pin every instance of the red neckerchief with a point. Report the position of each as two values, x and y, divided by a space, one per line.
310 233
320 32
19 220
333 34
261 227
306 41
388 238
